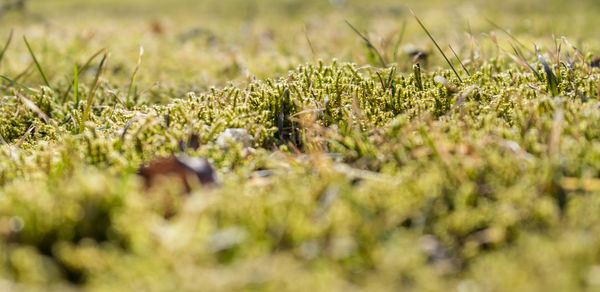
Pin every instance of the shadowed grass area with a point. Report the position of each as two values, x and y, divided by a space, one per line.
347 169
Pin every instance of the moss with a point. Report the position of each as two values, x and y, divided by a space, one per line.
352 177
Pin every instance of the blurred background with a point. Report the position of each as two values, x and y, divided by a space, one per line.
193 45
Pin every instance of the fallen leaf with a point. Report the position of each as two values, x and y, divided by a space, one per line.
182 167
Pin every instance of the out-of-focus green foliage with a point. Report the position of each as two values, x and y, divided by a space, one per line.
356 177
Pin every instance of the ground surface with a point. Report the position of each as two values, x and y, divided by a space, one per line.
358 172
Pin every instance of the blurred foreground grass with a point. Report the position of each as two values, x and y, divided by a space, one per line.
353 177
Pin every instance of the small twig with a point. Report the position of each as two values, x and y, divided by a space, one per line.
3 141
32 106
22 139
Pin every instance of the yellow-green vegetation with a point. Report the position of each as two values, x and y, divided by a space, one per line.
365 166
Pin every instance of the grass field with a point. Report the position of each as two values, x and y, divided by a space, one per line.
356 165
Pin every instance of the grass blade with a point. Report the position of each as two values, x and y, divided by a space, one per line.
27 89
10 36
551 78
435 43
558 47
390 77
383 86
81 69
97 81
399 41
368 42
520 56
37 63
459 61
76 85
508 34
139 64
312 49
24 73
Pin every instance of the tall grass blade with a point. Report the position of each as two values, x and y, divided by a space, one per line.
558 47
81 69
522 58
435 43
137 67
97 81
27 89
399 41
37 63
312 49
383 86
459 61
76 85
510 35
368 43
550 76
10 36
390 77
24 72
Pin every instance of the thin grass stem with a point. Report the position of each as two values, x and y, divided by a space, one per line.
10 36
368 43
37 63
435 43
459 61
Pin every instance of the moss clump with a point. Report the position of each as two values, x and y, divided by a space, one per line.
344 177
